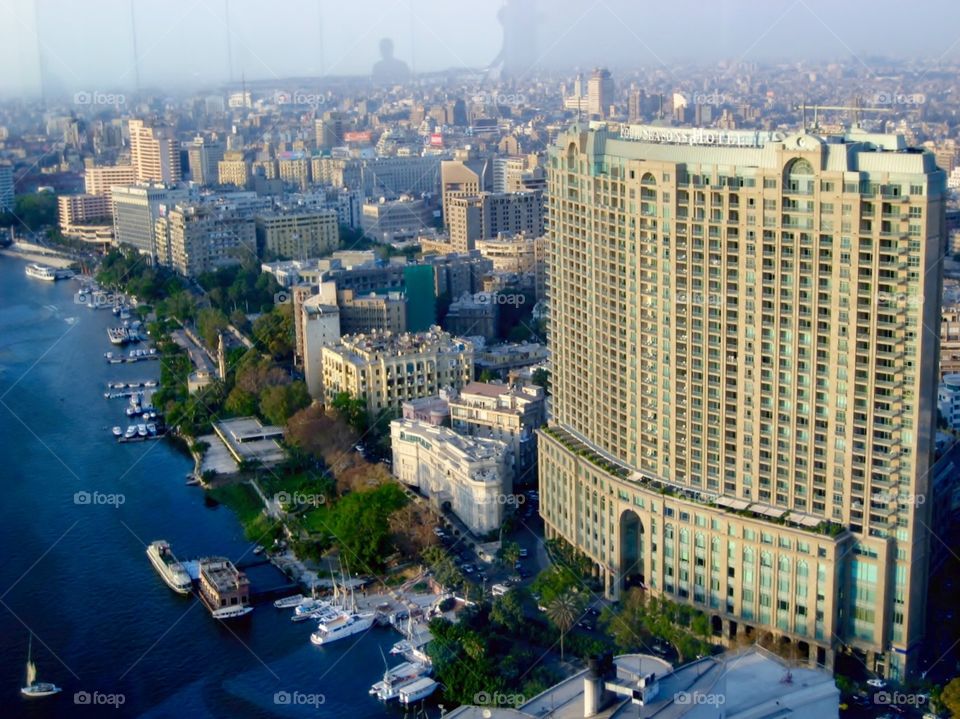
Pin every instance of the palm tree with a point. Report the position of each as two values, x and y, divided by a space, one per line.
563 612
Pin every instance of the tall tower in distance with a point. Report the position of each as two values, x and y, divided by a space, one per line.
744 388
154 153
600 92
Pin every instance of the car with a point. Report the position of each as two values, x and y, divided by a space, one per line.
541 608
594 612
659 649
524 553
876 683
498 590
517 565
586 624
468 568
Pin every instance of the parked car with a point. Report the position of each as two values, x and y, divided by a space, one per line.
524 553
876 683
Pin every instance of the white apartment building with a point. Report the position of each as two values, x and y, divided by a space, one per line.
469 476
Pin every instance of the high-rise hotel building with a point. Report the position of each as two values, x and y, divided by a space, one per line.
744 338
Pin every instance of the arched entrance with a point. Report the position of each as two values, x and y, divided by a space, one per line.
631 550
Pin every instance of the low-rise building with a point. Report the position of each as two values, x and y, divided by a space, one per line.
510 413
366 313
387 369
469 476
744 684
394 220
510 355
474 315
430 410
299 235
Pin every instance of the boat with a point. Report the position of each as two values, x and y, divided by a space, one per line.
307 608
118 335
224 589
131 432
417 690
396 678
117 431
170 570
151 429
150 383
258 549
33 688
289 602
142 430
42 272
344 624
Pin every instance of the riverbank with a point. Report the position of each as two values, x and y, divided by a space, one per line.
54 260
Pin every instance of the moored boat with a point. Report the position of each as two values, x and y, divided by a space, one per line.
289 602
170 570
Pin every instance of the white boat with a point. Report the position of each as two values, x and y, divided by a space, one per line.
401 647
142 430
344 624
308 608
399 676
117 432
131 432
415 691
289 602
150 383
34 689
170 570
42 272
233 612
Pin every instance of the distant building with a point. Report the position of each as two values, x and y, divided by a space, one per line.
469 476
154 153
475 315
457 273
600 92
948 400
467 174
386 369
298 235
203 160
372 312
950 340
99 180
234 169
6 187
502 358
393 220
488 214
430 410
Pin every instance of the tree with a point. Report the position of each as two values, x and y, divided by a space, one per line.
507 611
541 378
563 612
510 553
950 698
210 323
352 410
280 402
241 403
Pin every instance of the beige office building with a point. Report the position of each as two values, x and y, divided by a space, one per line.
299 235
99 180
366 313
154 153
742 416
472 217
388 369
234 169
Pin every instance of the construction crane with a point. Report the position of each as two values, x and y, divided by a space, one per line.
856 109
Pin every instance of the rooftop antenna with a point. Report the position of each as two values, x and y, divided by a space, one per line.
41 65
857 109
226 23
136 52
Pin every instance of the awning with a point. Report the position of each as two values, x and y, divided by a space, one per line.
804 520
732 502
768 511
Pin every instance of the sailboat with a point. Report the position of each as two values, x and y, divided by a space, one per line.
34 688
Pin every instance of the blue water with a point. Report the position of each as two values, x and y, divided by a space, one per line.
76 574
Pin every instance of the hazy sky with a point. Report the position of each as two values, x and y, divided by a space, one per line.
87 44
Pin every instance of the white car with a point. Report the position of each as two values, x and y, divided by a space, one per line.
876 683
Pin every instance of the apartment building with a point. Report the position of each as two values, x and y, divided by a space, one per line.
741 417
387 369
198 238
298 235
